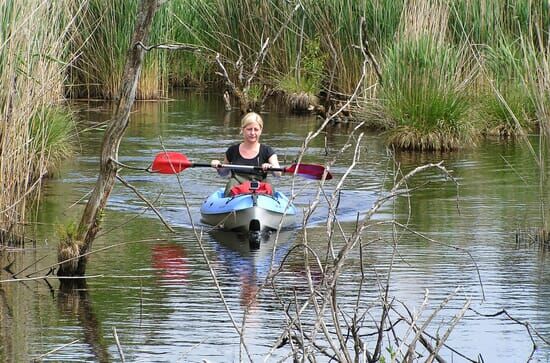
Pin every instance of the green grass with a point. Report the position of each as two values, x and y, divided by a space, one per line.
424 93
52 131
105 32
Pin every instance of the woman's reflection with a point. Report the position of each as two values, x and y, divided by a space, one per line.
250 266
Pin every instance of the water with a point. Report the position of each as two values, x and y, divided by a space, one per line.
156 288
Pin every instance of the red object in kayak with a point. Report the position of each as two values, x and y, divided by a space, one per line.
244 188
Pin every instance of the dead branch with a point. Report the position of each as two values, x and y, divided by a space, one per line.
222 297
90 222
449 246
445 336
119 347
40 357
142 197
50 267
527 325
365 49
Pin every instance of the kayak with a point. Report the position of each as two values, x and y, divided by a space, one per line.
250 211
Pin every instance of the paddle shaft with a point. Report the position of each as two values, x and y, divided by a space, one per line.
250 167
235 166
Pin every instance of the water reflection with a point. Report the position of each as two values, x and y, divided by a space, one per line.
73 299
251 265
169 261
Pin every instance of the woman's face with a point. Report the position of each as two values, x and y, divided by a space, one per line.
252 132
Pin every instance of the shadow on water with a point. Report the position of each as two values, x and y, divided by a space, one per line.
74 299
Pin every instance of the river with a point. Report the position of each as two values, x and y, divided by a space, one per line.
155 289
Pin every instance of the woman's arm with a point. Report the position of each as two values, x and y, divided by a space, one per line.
273 163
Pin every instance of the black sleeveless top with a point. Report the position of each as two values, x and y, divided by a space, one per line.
234 157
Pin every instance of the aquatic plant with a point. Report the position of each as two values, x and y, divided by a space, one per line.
476 21
537 82
302 87
52 131
68 248
424 93
508 108
105 32
33 59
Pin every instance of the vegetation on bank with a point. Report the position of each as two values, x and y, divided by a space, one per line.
453 71
35 127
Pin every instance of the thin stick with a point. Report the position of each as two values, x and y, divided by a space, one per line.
56 349
120 352
94 251
48 277
445 336
146 202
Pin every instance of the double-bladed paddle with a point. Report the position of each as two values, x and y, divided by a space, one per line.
171 162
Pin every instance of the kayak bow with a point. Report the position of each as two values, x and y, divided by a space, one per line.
250 211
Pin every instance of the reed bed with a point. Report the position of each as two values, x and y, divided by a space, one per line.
105 31
34 125
537 82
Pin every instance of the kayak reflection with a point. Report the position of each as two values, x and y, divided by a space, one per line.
251 265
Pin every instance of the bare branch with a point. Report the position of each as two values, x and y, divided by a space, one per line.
142 197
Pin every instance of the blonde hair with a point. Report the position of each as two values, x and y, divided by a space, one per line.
250 118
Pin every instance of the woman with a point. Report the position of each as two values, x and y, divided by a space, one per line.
248 152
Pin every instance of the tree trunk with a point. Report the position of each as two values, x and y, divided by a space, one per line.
91 218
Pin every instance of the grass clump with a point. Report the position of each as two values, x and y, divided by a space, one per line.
52 130
424 94
301 87
68 248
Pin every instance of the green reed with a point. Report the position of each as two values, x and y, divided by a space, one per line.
477 21
424 94
52 131
536 79
105 32
508 107
33 61
187 68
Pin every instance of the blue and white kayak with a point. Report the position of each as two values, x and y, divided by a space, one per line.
249 211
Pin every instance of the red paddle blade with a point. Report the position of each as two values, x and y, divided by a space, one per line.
309 171
170 162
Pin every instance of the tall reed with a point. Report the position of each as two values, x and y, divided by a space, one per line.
338 26
32 49
424 90
537 83
476 21
105 32
188 26
508 107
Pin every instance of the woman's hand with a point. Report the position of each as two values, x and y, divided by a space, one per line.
216 164
274 163
266 166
